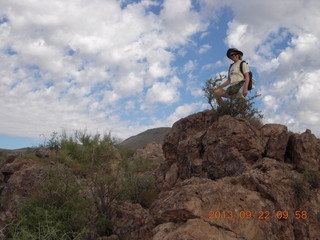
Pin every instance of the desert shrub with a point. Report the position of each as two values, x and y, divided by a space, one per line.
138 184
57 210
139 189
81 151
104 190
3 157
88 149
140 165
125 152
235 106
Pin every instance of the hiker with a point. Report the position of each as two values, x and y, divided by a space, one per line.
238 82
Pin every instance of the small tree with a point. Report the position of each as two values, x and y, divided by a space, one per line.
235 106
210 85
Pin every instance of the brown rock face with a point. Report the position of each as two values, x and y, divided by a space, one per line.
152 151
219 180
19 177
225 179
132 222
258 204
203 148
304 151
276 138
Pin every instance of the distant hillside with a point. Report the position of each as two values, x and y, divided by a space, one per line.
12 151
5 152
142 139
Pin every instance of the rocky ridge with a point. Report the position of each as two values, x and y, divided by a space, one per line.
219 180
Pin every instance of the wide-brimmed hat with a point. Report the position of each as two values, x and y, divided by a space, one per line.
232 50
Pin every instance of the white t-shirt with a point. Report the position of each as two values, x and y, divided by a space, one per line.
235 73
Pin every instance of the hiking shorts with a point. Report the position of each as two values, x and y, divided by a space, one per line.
234 89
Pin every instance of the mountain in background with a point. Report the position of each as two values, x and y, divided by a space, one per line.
142 139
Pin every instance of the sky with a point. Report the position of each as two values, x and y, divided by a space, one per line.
125 66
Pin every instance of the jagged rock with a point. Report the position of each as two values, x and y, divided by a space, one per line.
184 129
20 177
276 138
112 237
42 152
171 177
304 151
132 222
153 151
229 146
192 229
202 147
221 179
262 191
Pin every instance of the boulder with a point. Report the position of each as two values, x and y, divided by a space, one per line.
275 137
304 151
192 229
248 206
19 178
202 147
152 151
42 152
132 222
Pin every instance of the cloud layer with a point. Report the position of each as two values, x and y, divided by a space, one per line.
125 66
78 64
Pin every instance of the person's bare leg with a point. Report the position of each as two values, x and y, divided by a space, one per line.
219 93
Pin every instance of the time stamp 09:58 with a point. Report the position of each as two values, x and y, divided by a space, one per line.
261 215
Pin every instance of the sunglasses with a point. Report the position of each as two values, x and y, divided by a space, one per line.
233 54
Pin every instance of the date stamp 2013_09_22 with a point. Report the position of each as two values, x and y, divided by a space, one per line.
261 215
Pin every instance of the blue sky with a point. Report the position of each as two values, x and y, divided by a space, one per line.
127 66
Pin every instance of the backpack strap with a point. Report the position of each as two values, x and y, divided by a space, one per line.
241 67
230 68
250 75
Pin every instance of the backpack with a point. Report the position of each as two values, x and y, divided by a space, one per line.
251 80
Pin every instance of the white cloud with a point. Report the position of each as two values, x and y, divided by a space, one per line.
164 92
279 39
75 64
185 110
212 66
189 66
204 48
72 62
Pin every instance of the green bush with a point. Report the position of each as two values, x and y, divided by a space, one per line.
56 211
85 165
138 183
139 189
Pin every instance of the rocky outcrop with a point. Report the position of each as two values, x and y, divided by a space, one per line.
152 151
219 179
275 137
202 147
42 152
131 221
304 151
226 179
18 179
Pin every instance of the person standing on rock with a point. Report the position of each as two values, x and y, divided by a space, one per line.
238 82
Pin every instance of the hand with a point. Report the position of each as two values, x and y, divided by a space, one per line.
245 92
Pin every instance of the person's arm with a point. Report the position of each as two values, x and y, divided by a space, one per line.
246 84
226 83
